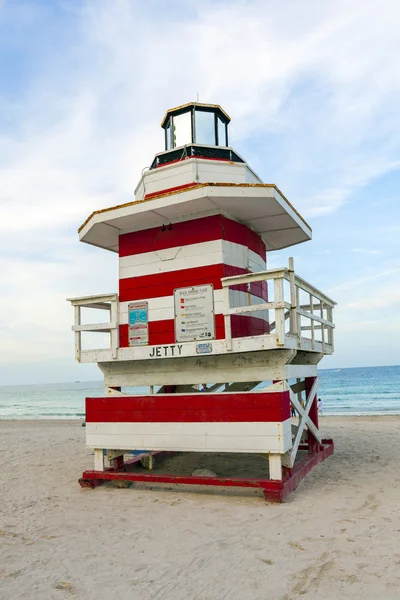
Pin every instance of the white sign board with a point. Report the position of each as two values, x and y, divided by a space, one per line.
138 324
194 313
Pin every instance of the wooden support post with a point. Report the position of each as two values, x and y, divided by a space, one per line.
330 329
117 463
98 459
312 323
279 312
114 332
227 319
313 413
77 322
299 397
293 298
298 316
275 466
322 306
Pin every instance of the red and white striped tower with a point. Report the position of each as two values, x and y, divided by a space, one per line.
201 321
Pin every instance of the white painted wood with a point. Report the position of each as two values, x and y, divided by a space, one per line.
111 454
227 320
191 170
323 326
114 333
297 371
312 322
275 466
77 321
279 311
259 307
98 301
195 370
274 429
252 204
98 458
304 419
183 257
293 299
99 327
202 258
250 277
307 421
314 317
330 329
113 392
239 345
207 437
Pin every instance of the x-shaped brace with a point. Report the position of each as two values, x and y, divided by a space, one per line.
304 420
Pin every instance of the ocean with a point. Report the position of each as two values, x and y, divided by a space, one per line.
357 391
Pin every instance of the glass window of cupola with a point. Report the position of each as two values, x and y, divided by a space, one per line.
203 125
182 129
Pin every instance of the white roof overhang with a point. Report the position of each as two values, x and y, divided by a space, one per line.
262 207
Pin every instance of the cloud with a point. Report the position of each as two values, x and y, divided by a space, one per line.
370 251
312 88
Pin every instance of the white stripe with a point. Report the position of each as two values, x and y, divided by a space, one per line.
162 308
206 437
189 257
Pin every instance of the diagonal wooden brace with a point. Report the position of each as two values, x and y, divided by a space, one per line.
304 420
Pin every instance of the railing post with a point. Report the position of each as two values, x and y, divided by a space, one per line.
114 333
77 322
293 299
330 329
227 319
312 321
279 312
298 316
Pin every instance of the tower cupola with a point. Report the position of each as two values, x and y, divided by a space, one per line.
194 123
195 130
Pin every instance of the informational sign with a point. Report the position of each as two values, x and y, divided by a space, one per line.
138 324
203 348
194 313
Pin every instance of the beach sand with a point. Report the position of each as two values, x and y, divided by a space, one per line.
337 536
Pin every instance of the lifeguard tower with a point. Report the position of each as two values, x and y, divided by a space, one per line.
225 348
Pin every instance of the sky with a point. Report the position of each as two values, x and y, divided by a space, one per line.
313 89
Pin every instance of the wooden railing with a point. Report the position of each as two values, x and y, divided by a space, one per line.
303 316
316 308
108 302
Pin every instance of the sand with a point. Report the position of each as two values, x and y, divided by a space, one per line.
337 536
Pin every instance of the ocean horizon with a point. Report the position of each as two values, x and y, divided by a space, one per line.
347 391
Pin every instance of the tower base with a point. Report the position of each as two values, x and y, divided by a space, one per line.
273 490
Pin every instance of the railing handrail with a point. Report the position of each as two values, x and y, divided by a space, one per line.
276 274
283 309
98 302
88 301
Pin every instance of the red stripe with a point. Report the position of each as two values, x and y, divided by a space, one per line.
164 284
163 332
190 408
196 231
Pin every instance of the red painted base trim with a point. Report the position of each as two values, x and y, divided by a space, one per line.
274 491
241 407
